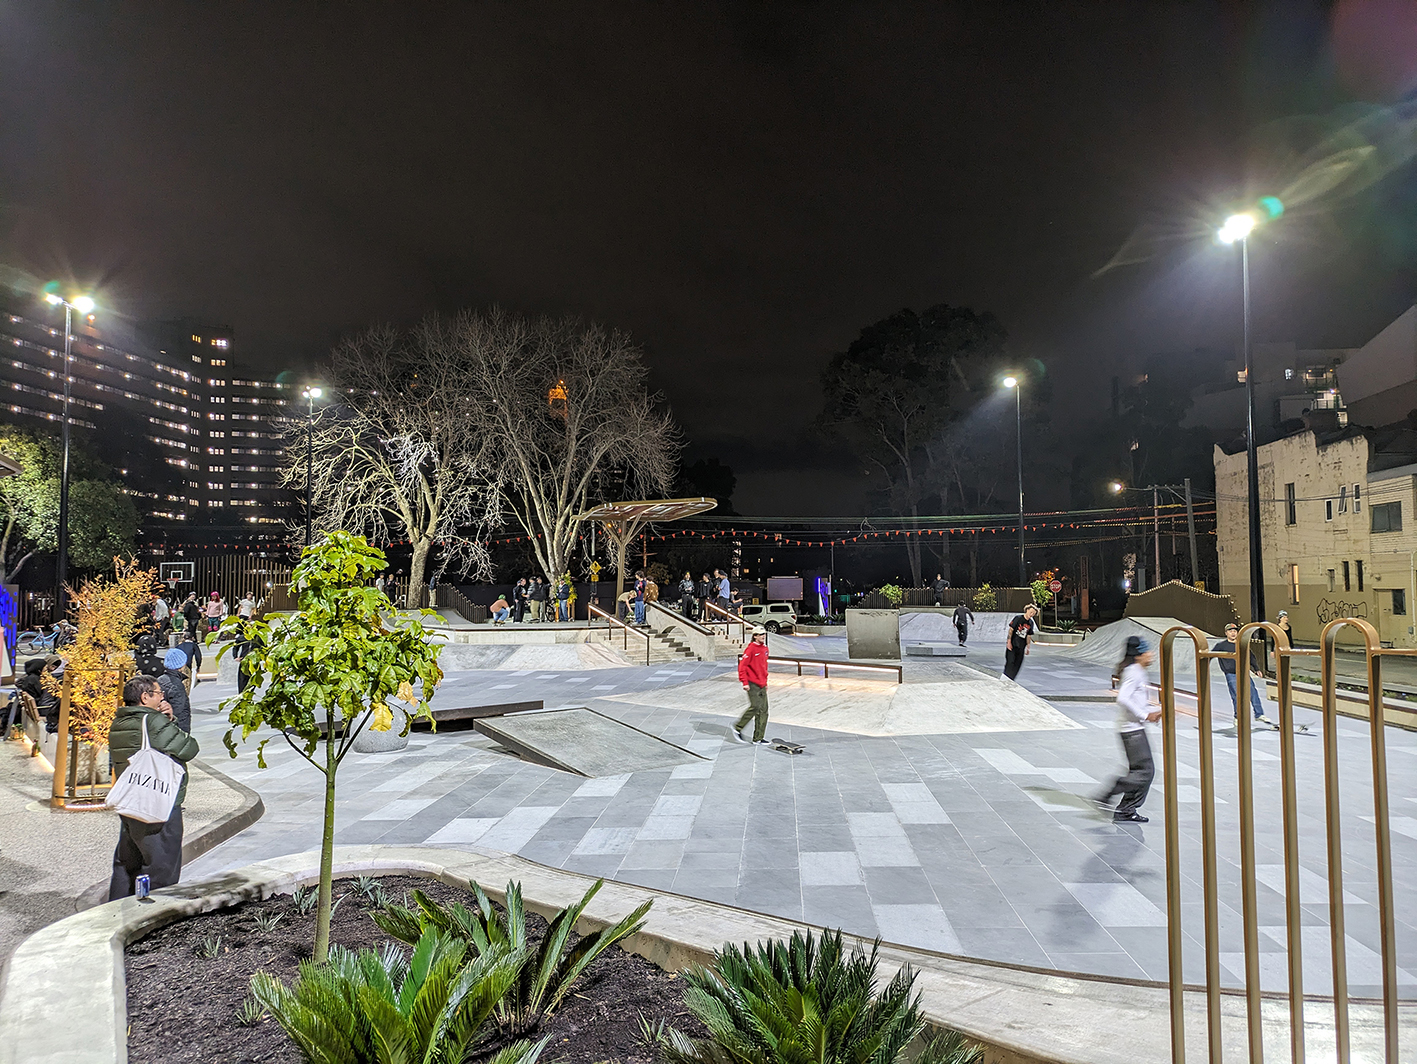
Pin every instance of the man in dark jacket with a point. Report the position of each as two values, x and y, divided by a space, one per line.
153 850
191 615
174 688
519 600
963 618
32 684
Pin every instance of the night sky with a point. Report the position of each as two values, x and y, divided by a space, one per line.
741 186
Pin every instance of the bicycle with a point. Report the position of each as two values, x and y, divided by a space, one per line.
42 641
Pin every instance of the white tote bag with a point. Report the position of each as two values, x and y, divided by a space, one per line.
147 790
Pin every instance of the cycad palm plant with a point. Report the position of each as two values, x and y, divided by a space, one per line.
547 977
799 1001
380 1008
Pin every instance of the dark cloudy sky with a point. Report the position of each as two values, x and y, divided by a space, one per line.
740 185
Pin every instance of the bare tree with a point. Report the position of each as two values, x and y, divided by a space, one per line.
567 405
397 453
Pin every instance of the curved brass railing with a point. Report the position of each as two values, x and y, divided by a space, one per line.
1285 654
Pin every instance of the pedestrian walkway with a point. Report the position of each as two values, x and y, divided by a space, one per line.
982 843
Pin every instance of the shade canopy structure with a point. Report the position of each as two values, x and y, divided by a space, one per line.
9 467
623 521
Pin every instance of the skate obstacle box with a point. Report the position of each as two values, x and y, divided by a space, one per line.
582 741
873 634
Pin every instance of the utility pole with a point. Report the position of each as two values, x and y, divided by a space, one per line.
1191 531
1156 533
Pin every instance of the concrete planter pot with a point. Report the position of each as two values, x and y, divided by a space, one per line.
369 741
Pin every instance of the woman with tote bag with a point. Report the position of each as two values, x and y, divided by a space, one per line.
149 753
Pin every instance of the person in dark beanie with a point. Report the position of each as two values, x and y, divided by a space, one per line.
1135 714
174 688
153 850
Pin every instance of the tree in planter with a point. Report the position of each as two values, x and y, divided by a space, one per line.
892 594
319 676
986 598
106 614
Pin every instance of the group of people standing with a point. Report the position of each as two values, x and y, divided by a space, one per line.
533 601
696 596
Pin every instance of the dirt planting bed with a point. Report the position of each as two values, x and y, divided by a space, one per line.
187 983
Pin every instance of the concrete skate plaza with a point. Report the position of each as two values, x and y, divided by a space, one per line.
949 813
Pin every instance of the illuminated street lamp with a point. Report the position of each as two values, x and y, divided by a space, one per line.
84 305
1013 384
310 394
1236 230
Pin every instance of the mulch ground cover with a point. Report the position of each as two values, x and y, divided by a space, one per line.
184 1004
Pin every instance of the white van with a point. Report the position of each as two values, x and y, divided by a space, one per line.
774 616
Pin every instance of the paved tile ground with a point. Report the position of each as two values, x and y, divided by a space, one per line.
983 844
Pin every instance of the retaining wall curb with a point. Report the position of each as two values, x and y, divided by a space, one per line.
64 996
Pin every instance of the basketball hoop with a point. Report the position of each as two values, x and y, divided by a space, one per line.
172 584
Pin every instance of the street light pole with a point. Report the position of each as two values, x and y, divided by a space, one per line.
1013 382
61 567
1156 534
84 305
1252 462
310 394
1191 533
1237 229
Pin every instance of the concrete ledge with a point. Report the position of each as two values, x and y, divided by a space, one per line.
64 996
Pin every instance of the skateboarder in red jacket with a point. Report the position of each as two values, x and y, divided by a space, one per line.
753 672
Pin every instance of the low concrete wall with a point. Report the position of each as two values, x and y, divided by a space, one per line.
517 634
64 996
873 634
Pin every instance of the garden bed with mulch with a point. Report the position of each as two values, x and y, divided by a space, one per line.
187 984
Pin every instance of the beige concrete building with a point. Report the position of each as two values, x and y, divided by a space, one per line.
1338 526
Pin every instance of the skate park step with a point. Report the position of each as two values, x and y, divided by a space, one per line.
582 741
934 650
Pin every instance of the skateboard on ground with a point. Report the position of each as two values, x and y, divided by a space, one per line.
1299 729
787 747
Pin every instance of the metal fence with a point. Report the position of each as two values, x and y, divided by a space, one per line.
1381 869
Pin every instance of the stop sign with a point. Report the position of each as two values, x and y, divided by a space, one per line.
1055 586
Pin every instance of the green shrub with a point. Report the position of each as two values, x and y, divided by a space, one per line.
892 594
380 1008
986 598
544 980
1041 592
806 999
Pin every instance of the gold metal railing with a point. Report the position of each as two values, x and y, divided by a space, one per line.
1290 810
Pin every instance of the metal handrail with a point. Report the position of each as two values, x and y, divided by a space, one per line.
612 621
729 620
1294 916
827 666
692 625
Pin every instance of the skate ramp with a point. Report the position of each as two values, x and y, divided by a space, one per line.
584 742
937 626
1106 645
960 701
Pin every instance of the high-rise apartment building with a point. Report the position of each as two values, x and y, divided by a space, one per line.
193 436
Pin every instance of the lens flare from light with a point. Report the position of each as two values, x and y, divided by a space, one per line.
1237 227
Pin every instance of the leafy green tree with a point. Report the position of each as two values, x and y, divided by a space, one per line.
103 523
321 675
895 390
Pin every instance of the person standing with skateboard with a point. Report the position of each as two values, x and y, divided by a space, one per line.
753 673
1227 666
1020 634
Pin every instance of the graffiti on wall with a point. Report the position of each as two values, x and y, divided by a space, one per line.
1328 610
